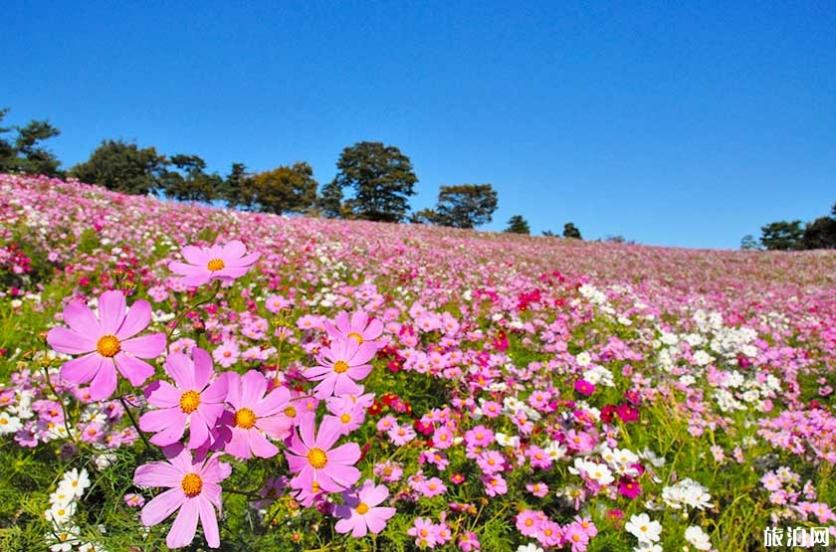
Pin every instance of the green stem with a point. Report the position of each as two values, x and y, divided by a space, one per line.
133 422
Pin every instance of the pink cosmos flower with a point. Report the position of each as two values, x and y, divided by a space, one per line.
432 487
360 512
401 434
584 387
314 461
357 328
194 400
107 343
494 484
528 522
469 541
479 436
424 532
194 490
255 415
218 262
340 366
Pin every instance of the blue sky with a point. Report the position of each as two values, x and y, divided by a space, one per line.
669 123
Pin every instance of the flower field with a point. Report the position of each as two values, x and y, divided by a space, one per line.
175 375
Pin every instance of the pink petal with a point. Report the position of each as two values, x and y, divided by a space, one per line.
345 476
180 368
233 250
253 386
358 321
195 255
343 322
239 444
137 319
329 432
111 311
344 385
162 506
163 395
296 463
358 373
261 446
198 431
158 420
233 396
65 340
80 318
348 453
134 370
202 367
146 346
158 474
277 427
171 433
209 523
184 526
377 518
82 369
344 526
364 353
217 392
275 401
104 382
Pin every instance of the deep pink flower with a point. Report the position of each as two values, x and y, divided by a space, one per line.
107 343
194 490
584 387
314 461
340 366
360 512
218 262
629 487
194 400
255 415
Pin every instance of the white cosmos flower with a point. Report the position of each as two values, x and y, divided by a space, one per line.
643 528
60 513
9 424
75 481
698 538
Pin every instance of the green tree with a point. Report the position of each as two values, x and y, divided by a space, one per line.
517 225
285 189
465 205
549 234
382 180
782 235
820 234
749 243
237 189
122 167
189 180
571 231
330 200
26 153
8 156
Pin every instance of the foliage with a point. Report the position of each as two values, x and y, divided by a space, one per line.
517 225
189 181
286 189
26 154
464 205
571 231
123 167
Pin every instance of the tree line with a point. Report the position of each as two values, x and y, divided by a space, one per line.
795 235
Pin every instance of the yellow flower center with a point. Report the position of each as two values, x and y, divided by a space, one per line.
317 458
245 418
345 418
215 265
108 346
290 412
529 522
189 401
576 537
356 337
192 484
362 508
340 366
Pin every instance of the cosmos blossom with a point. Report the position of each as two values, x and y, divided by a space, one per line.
194 491
256 414
360 512
218 262
107 343
194 400
314 460
340 366
357 327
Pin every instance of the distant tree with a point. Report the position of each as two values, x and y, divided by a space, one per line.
122 167
424 216
549 234
517 225
285 189
237 188
749 243
189 180
26 154
820 234
330 200
616 239
382 179
465 205
571 231
782 235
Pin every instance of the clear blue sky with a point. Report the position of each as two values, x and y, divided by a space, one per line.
669 123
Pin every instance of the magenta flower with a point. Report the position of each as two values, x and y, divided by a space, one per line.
357 327
218 262
316 464
340 366
194 490
107 343
360 512
256 416
195 400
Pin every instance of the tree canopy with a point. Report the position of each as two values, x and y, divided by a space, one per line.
465 205
285 189
571 231
122 167
517 225
25 153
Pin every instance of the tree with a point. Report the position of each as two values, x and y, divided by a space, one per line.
382 179
285 189
189 181
517 225
465 205
26 154
749 243
820 234
122 167
330 200
782 235
549 234
237 189
571 231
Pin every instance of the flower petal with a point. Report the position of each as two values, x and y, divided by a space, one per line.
137 319
135 371
65 340
184 526
81 369
209 522
112 310
145 346
162 506
104 382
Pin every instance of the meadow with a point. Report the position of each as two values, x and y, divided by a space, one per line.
175 375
